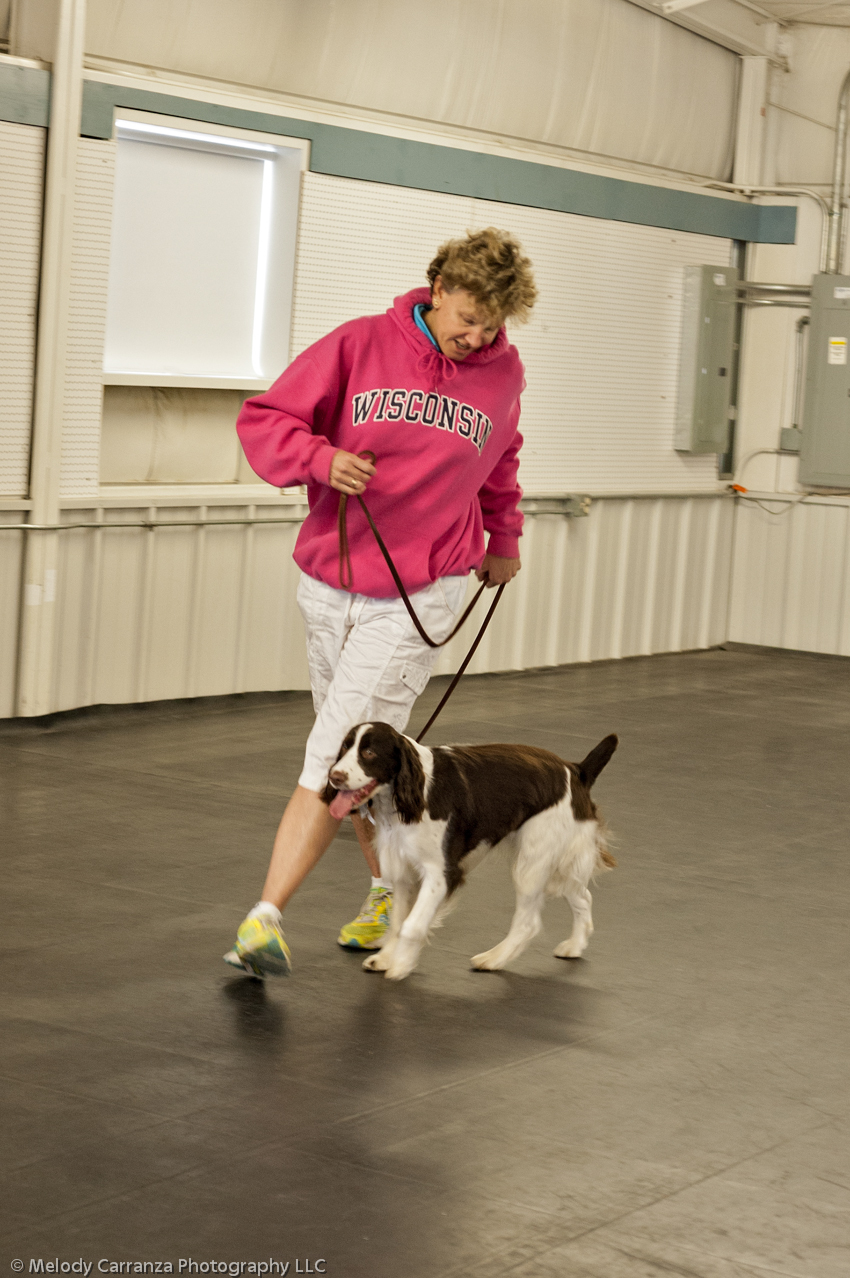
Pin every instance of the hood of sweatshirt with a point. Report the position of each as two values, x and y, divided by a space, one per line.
432 361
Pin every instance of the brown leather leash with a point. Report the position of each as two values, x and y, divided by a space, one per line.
346 578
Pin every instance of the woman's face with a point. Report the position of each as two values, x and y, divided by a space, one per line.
458 322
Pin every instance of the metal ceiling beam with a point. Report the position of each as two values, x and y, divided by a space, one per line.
804 15
673 6
737 25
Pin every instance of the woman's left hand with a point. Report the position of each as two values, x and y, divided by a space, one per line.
496 571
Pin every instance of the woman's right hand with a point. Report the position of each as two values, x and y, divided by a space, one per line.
349 473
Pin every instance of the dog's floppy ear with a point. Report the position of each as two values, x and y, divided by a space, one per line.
327 795
409 785
589 768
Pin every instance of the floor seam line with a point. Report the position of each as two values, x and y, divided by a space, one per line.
701 1180
82 1096
177 1118
494 1070
751 1268
138 1189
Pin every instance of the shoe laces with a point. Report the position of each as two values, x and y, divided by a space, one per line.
376 897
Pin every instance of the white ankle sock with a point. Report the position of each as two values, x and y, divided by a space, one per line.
379 883
265 909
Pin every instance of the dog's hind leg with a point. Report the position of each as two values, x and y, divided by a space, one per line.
579 873
531 874
524 927
576 943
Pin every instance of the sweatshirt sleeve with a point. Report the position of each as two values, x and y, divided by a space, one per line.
499 498
281 430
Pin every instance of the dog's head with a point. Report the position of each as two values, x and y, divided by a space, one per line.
374 755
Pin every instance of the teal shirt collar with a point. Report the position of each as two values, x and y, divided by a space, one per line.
419 318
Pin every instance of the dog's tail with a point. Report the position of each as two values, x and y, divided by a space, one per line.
592 765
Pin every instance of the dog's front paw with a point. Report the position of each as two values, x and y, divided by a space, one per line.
489 961
403 959
378 962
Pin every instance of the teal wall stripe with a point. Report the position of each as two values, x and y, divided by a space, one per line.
24 95
373 157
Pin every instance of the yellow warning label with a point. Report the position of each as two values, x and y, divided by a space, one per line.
837 350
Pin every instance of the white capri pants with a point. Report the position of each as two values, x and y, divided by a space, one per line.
367 661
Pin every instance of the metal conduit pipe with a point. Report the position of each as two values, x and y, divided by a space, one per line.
153 524
750 286
553 503
787 190
836 211
798 370
842 248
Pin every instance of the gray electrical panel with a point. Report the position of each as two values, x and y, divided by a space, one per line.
708 352
825 445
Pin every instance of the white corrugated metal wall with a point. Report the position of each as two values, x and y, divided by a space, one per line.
179 612
22 159
791 581
87 318
150 614
790 563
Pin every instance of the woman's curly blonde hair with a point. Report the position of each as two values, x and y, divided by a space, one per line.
491 266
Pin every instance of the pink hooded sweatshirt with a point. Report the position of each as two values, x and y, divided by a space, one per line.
444 433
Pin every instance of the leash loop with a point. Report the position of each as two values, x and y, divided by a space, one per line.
346 578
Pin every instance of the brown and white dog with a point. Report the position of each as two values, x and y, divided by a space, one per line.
439 811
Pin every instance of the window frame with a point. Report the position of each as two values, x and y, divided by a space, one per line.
240 137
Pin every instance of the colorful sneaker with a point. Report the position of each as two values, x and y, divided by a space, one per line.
260 948
367 931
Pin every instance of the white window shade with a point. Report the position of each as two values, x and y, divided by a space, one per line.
201 268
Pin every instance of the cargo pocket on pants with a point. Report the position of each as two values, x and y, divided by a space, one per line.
415 677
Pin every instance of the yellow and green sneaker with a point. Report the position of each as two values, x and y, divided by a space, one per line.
367 931
260 948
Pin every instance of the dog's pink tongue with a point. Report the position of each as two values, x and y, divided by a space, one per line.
342 803
345 800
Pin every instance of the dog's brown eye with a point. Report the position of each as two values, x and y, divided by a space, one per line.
367 754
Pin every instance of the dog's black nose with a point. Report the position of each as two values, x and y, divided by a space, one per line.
338 779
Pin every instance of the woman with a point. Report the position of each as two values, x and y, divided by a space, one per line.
431 388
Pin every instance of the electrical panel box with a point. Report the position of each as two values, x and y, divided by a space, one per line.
708 354
825 445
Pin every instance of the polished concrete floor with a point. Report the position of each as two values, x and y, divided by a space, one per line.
674 1104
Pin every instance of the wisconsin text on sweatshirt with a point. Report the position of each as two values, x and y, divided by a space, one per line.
432 409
